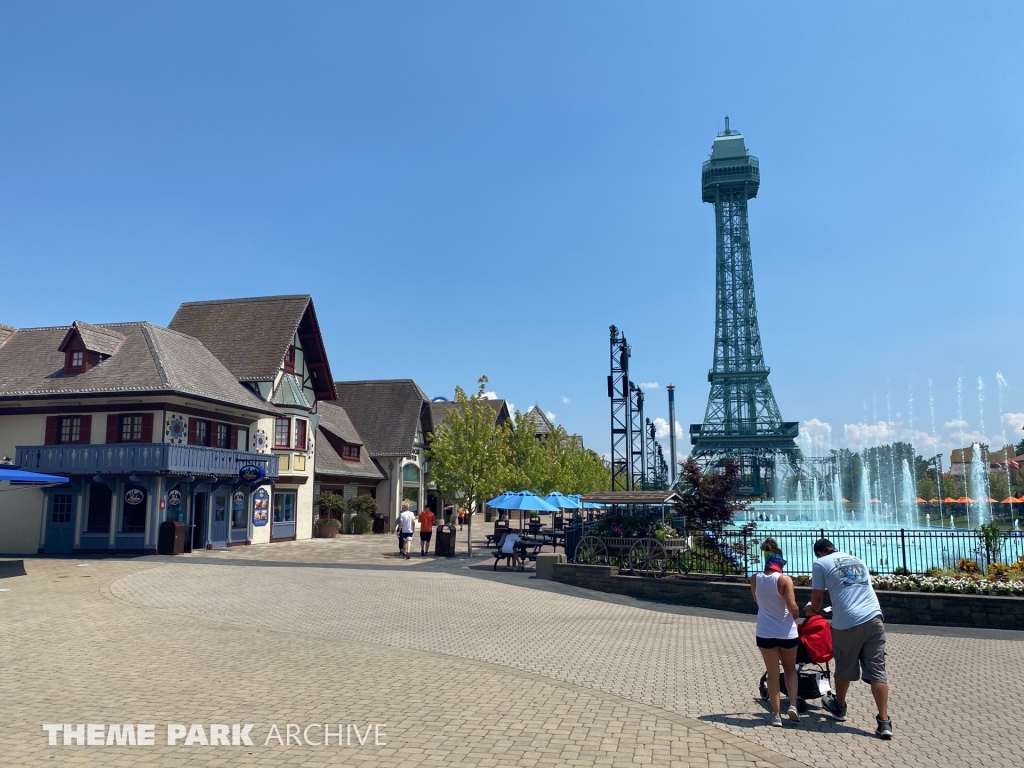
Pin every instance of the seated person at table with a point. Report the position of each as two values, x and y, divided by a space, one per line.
508 546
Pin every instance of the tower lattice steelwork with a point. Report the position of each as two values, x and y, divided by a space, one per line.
742 420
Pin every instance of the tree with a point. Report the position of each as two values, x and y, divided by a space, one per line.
708 502
466 453
999 488
523 465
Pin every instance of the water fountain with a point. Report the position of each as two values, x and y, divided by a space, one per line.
979 487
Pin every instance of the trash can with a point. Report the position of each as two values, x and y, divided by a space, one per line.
171 540
445 546
380 523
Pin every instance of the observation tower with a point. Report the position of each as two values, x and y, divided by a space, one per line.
742 420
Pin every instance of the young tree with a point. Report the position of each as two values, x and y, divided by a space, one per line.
708 502
466 453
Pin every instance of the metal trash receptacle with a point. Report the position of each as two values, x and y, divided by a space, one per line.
445 546
380 523
171 539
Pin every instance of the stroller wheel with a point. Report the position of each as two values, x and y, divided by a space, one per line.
762 687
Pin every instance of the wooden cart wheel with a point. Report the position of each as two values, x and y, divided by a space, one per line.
591 551
647 557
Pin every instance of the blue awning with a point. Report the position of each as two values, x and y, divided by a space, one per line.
11 479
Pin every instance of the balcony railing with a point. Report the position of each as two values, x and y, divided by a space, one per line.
140 458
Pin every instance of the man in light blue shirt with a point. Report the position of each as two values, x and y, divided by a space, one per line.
858 634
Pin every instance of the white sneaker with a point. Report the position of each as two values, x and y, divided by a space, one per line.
793 715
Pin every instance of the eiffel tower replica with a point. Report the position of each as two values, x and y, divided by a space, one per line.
742 421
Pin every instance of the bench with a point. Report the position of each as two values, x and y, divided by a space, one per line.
499 532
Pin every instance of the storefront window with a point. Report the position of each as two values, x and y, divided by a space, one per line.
98 519
133 510
220 509
238 510
61 508
284 507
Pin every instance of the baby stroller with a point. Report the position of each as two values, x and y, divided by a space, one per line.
813 654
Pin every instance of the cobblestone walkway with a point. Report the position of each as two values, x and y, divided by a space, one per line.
466 670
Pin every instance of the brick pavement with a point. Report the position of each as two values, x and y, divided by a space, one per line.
74 649
370 609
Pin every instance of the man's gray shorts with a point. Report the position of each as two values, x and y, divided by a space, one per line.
861 648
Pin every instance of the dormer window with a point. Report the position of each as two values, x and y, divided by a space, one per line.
350 452
86 346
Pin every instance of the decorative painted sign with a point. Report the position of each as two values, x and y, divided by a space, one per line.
260 443
250 473
238 500
174 497
134 496
177 428
260 507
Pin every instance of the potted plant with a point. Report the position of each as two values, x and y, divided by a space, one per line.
327 527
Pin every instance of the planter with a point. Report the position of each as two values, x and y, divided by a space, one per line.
327 530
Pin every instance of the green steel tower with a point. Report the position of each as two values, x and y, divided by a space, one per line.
742 420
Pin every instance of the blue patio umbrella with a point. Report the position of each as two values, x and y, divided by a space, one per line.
13 479
562 501
496 501
525 500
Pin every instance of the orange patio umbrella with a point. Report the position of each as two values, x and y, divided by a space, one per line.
1008 500
964 500
846 501
949 500
933 501
992 501
876 501
921 501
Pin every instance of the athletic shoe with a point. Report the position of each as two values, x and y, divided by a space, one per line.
832 705
884 729
793 715
776 721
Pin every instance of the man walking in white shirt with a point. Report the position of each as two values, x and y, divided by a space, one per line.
405 528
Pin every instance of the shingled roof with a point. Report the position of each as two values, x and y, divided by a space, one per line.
96 338
439 410
252 336
386 413
149 360
5 332
335 429
541 424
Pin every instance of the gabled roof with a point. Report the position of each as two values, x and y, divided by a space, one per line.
386 413
151 360
95 338
5 332
541 424
335 429
439 410
252 336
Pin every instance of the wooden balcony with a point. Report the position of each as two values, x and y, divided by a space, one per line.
141 459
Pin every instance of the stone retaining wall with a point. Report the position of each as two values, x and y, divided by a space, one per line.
929 608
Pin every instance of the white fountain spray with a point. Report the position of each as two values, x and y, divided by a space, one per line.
892 448
1000 386
960 422
909 499
979 485
935 447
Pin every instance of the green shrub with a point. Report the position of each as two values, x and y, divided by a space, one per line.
361 525
364 505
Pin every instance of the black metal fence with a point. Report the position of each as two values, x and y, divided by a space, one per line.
883 551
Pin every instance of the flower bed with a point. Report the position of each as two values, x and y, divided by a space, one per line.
974 585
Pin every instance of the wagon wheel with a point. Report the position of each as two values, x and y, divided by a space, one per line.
647 558
591 551
680 560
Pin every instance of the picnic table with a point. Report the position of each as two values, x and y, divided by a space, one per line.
526 549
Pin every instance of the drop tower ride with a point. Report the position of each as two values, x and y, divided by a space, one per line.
742 421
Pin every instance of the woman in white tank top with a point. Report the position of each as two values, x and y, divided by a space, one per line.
776 631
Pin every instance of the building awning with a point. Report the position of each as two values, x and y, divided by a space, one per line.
13 479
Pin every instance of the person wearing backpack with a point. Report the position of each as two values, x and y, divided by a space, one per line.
776 633
858 634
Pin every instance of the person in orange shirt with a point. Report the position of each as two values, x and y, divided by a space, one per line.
426 529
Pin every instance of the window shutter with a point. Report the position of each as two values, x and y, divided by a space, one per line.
147 427
85 430
192 424
234 438
111 427
51 431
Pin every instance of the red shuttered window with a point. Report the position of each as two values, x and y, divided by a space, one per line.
282 432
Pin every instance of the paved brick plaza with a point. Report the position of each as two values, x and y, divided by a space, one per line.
466 667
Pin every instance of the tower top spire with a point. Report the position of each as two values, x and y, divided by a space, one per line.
727 131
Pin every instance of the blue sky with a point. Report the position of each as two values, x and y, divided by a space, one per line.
470 188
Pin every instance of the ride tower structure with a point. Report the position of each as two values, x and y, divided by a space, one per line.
742 421
618 392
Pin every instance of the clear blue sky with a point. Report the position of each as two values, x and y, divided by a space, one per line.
472 188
